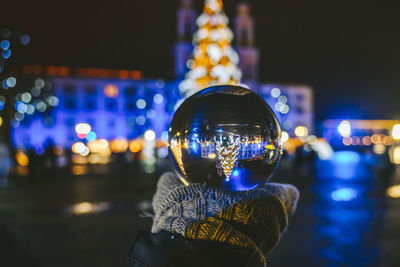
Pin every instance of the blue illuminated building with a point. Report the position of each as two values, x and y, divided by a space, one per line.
114 108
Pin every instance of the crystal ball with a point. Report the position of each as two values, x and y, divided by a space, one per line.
226 137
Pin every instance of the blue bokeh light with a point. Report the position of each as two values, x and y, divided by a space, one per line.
91 136
5 44
11 81
6 54
344 194
346 157
25 39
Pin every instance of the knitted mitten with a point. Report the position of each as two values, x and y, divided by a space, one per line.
252 219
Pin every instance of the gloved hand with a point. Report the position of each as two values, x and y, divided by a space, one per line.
251 219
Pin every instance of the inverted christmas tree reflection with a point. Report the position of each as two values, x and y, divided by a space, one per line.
216 141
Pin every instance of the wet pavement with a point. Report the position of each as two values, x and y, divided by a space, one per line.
343 217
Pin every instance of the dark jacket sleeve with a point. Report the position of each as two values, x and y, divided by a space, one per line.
165 249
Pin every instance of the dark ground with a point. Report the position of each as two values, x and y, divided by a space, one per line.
37 227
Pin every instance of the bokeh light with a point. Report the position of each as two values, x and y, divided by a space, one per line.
53 101
140 120
119 145
26 97
30 109
284 109
287 124
396 155
375 138
275 92
21 107
82 208
285 136
141 103
2 102
78 147
282 99
396 132
301 131
388 140
41 106
39 83
25 39
22 159
393 191
158 98
347 141
5 44
11 81
344 194
14 123
35 91
367 140
379 149
91 136
85 152
6 54
83 128
6 33
151 114
111 90
344 128
149 135
135 146
100 147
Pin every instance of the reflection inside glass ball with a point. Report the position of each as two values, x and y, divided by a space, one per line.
225 136
234 157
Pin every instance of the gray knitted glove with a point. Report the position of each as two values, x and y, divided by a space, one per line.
252 219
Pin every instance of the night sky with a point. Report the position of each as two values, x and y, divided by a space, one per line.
349 51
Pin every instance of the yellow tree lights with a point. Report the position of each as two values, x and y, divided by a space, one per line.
215 61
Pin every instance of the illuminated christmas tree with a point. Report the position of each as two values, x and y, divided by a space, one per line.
215 61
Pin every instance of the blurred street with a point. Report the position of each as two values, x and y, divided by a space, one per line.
98 99
343 217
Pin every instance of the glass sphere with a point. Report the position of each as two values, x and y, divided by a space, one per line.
226 137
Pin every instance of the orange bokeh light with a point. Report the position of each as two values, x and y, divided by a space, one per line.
111 90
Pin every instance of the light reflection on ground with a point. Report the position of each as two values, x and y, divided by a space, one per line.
85 208
340 215
344 216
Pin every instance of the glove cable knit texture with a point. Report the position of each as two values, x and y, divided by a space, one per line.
253 219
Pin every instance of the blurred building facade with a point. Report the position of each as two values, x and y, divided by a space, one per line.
126 106
114 108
